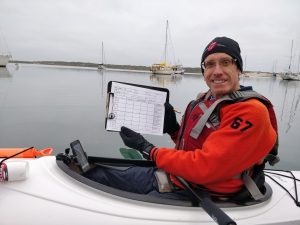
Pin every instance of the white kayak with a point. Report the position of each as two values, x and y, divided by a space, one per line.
52 193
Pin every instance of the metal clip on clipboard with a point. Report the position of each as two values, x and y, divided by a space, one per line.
109 106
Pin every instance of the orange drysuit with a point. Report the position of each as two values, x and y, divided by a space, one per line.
215 159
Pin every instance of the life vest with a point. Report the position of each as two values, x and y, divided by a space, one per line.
204 113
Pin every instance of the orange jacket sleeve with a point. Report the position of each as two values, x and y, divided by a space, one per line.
244 137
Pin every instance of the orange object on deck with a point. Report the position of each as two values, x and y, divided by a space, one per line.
30 153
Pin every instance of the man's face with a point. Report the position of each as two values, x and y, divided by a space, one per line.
221 74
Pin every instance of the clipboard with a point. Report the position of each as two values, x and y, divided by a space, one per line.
138 107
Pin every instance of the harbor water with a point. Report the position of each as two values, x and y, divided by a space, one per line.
48 106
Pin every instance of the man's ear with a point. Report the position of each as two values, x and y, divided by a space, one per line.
239 72
204 77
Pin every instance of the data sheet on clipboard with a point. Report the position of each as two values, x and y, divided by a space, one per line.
138 108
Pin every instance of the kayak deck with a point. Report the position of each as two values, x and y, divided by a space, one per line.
52 194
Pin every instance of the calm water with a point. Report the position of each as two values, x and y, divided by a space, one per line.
52 106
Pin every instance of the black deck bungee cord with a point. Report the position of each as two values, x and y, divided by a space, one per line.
280 185
279 174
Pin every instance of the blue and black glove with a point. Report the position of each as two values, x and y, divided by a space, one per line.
136 141
170 123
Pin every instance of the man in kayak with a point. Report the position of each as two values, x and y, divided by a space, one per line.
225 137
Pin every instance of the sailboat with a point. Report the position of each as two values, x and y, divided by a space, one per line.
164 68
4 56
4 59
290 75
101 66
274 68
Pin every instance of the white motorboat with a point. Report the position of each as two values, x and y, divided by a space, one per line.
178 69
290 76
50 190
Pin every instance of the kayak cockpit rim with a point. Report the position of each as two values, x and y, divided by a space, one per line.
76 174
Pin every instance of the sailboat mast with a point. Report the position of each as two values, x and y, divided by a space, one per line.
166 42
298 63
291 55
102 53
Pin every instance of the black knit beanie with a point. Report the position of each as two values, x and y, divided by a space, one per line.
225 45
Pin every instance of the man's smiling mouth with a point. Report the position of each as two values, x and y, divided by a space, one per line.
218 81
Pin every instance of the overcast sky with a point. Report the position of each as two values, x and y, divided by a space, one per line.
133 31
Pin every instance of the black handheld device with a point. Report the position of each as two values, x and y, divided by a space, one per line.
80 155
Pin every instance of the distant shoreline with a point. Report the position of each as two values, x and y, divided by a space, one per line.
95 65
188 70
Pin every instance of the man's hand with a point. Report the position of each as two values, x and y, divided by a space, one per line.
136 141
170 122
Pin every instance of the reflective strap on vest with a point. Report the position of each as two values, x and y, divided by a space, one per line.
234 96
197 129
245 94
202 106
251 186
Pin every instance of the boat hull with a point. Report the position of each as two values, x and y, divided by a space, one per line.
163 72
166 70
161 69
